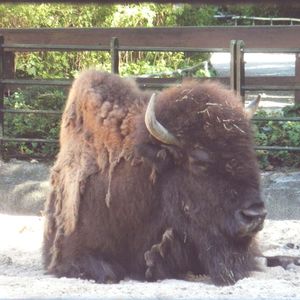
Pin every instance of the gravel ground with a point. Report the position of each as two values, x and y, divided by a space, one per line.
22 276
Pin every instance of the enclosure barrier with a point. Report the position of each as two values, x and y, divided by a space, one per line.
11 42
272 21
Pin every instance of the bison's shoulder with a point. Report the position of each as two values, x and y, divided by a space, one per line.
100 109
100 97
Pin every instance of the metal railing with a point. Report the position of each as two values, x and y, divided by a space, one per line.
272 21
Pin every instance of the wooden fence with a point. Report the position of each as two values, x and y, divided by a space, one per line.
279 39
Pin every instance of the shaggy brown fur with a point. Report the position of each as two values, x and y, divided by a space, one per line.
124 204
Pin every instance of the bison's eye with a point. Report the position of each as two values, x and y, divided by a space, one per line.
199 159
200 155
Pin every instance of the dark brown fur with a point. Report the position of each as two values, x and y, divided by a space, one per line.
124 204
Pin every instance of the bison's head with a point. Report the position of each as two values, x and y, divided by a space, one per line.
201 149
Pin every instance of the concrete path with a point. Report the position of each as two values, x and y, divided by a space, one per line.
24 187
262 64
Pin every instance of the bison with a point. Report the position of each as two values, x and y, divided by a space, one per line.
153 186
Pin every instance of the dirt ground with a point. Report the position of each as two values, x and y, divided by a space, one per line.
22 275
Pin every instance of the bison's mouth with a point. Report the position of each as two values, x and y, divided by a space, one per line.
250 220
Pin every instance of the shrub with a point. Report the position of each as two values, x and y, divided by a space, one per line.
32 125
266 133
43 64
278 133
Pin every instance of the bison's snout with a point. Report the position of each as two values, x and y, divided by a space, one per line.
250 220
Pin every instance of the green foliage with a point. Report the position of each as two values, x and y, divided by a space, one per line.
33 125
55 64
278 133
266 133
166 64
55 15
51 64
192 15
68 64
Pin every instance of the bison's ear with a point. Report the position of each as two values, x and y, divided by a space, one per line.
158 157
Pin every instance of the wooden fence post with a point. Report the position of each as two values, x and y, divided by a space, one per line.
1 96
114 46
233 65
9 65
297 77
240 69
237 67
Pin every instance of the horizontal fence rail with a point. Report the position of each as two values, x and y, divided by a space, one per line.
183 39
218 37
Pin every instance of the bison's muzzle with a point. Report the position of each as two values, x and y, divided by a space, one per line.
250 220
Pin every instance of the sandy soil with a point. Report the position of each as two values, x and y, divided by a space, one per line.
21 273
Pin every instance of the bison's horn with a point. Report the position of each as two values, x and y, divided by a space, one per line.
155 128
251 108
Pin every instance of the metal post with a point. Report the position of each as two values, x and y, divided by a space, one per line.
240 69
114 46
1 96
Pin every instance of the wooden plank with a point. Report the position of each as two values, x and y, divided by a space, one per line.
31 111
2 89
202 37
21 140
278 119
46 47
9 65
297 77
271 80
272 87
278 148
240 69
259 81
30 82
233 65
114 44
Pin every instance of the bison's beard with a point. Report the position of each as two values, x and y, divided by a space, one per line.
226 261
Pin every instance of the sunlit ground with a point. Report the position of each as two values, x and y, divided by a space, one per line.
22 275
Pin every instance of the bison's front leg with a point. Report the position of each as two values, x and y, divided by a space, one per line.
89 266
167 259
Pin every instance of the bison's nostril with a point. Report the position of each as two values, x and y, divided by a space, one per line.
250 220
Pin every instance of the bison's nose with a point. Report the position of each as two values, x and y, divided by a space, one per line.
251 219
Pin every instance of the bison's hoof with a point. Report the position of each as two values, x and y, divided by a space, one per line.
91 268
157 268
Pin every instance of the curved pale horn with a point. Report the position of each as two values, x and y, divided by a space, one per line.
155 128
252 107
